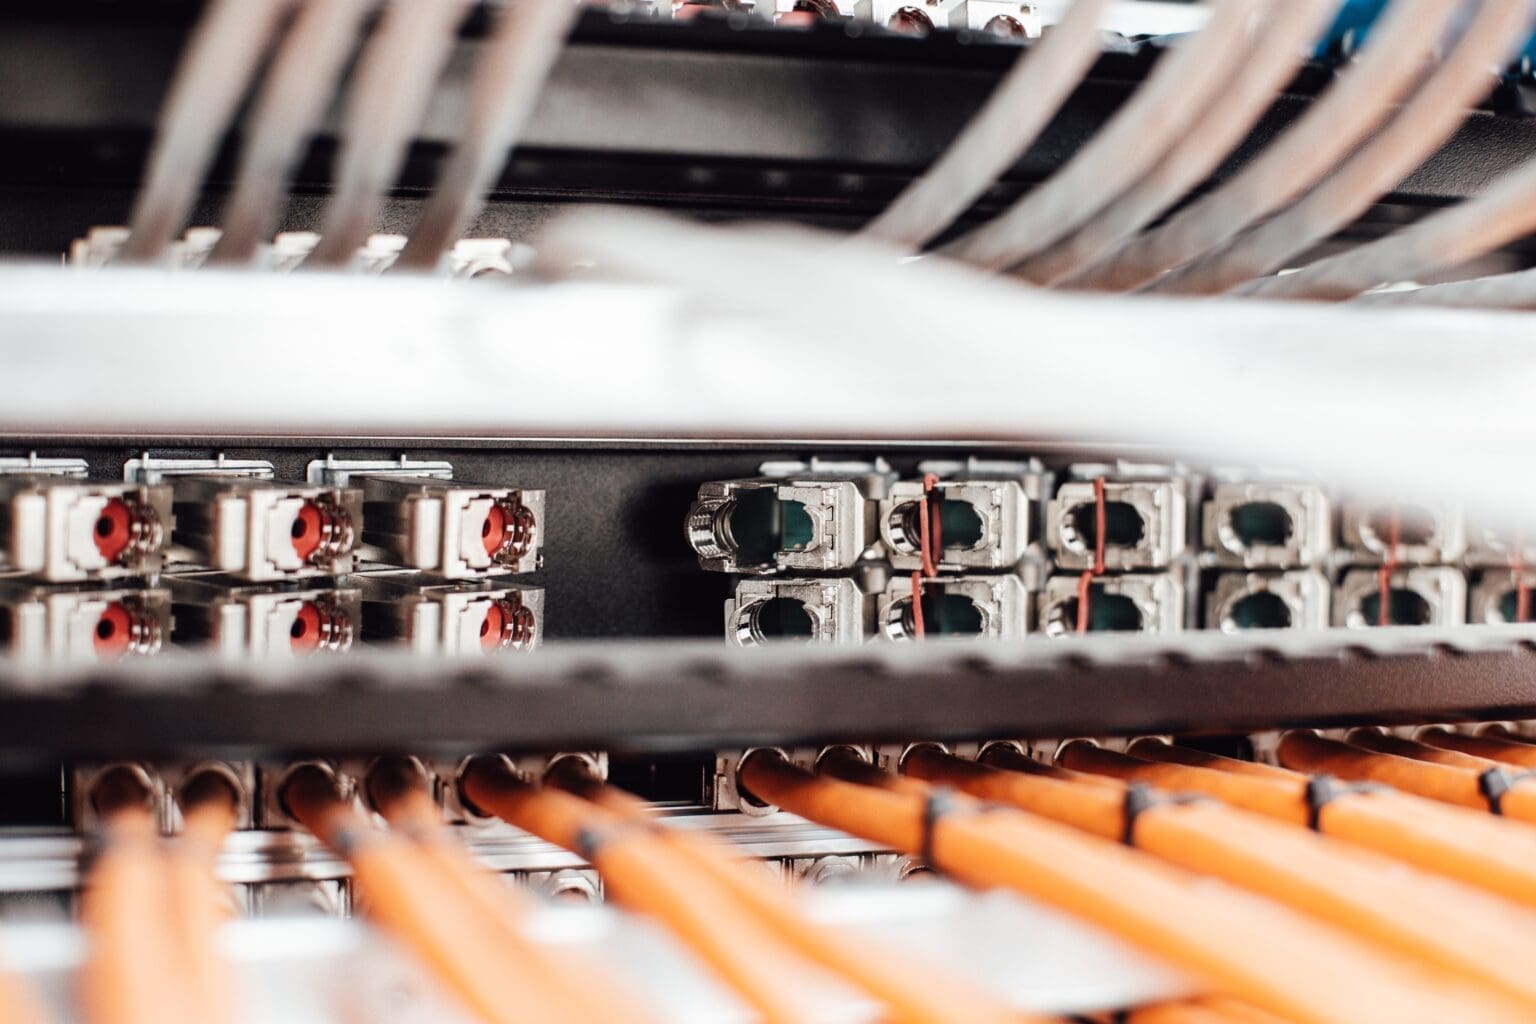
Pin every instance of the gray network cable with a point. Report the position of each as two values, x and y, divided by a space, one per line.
388 97
1156 116
301 82
1439 106
1500 291
507 84
1007 124
221 59
1504 213
1363 97
1271 61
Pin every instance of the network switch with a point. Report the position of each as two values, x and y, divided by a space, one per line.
1267 525
432 617
239 619
829 610
73 624
1293 599
795 518
994 607
264 531
1143 509
61 529
1416 596
1129 603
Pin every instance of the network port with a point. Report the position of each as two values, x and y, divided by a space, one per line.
829 611
1241 601
65 530
1004 19
1115 604
1267 525
795 518
995 607
1143 520
920 17
804 12
263 531
1419 596
450 618
455 531
74 624
1405 534
975 519
239 619
1504 596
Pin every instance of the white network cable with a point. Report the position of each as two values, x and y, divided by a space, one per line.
1150 122
1504 213
1007 124
1420 128
1346 113
221 58
291 102
1273 57
388 97
507 84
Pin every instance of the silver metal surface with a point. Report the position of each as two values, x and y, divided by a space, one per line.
429 616
264 620
1300 515
266 531
1157 599
457 531
829 610
64 623
1001 606
1436 595
1000 495
66 530
1159 504
1296 599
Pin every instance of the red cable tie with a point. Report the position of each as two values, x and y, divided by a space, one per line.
917 605
1085 581
928 548
1388 567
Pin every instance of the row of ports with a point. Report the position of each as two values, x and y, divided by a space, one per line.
989 516
394 608
839 610
60 527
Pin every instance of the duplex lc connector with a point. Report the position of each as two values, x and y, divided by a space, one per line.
430 616
262 530
66 530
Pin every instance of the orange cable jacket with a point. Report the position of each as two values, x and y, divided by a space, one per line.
201 907
129 976
643 873
1470 846
1480 939
1241 945
1518 802
1495 746
424 911
913 991
502 908
1200 1011
1307 752
18 1005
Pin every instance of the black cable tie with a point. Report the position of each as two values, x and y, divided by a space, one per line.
942 803
592 840
1496 782
1140 798
1323 790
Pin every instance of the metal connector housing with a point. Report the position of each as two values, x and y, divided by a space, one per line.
983 524
992 607
1145 530
455 530
1426 535
432 617
1267 525
63 530
1418 596
240 619
1496 596
919 16
1006 18
265 531
1294 599
83 624
1138 603
828 611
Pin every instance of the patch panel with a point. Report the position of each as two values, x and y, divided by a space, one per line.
73 624
1404 534
832 610
429 616
1267 524
1293 599
983 513
1416 596
240 619
1144 509
264 531
60 529
994 607
796 518
1126 603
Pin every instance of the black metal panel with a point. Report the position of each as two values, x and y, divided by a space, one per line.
698 696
